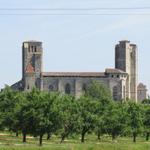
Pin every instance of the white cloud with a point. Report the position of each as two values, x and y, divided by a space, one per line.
128 22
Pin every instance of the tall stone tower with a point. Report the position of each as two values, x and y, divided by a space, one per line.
32 64
126 60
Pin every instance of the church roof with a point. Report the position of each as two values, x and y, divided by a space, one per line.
73 74
83 74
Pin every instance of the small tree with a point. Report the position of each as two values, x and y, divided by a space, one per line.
25 113
100 93
89 115
54 114
8 102
146 121
70 120
42 118
45 117
135 122
115 119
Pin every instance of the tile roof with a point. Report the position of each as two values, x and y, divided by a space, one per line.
112 70
30 69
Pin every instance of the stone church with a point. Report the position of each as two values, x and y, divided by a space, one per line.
121 80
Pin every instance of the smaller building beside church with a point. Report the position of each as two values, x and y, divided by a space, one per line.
142 92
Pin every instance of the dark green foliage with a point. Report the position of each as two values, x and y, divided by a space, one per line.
98 92
146 101
70 118
135 119
146 121
101 94
9 101
44 114
115 119
38 113
89 115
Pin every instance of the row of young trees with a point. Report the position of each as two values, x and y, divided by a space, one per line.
38 113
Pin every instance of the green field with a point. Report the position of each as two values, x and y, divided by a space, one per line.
10 142
101 146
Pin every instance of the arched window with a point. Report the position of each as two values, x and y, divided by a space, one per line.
84 87
32 48
29 50
117 75
51 88
35 50
115 92
28 87
67 89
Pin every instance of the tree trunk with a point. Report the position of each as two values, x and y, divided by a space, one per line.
34 136
48 136
17 133
62 138
134 137
40 140
24 137
99 135
147 136
82 137
113 137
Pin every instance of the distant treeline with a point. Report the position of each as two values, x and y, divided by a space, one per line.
38 113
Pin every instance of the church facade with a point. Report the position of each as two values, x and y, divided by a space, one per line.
121 80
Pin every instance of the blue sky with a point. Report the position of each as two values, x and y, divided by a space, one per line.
72 43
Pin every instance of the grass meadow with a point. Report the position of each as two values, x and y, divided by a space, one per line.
11 142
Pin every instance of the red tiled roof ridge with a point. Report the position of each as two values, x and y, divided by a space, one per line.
30 68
